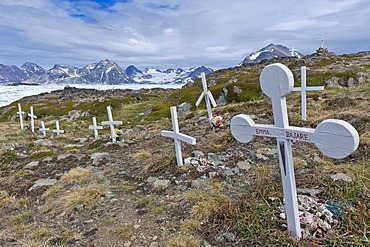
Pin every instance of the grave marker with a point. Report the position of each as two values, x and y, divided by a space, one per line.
95 127
33 117
21 113
334 138
208 97
111 123
303 88
177 136
43 129
57 131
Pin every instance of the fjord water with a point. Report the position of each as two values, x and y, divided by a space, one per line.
9 94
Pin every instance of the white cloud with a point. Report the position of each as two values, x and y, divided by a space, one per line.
165 34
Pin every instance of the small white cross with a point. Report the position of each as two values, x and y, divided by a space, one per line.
208 97
43 129
322 40
303 88
334 138
57 131
177 136
21 113
111 123
293 50
95 127
33 117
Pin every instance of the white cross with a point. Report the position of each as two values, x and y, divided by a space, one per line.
293 50
33 117
43 129
208 97
21 113
322 40
57 131
95 127
111 123
303 88
177 136
334 138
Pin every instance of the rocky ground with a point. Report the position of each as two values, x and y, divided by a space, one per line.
75 190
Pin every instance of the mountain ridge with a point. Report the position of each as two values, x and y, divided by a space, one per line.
102 72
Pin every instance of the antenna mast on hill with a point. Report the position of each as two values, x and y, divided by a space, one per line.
322 40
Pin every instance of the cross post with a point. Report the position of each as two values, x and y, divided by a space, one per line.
43 129
111 123
95 127
177 136
303 88
57 131
33 117
208 97
21 113
334 138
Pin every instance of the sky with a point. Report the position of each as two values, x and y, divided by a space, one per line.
174 33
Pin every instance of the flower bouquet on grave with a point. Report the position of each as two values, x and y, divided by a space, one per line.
118 135
216 121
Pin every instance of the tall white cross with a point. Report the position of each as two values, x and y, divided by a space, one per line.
111 123
322 40
293 50
33 117
21 113
334 138
177 136
208 97
303 88
43 129
95 127
57 131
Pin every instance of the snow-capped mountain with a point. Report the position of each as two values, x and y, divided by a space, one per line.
156 76
103 72
269 52
11 73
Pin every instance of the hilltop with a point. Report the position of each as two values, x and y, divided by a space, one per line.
131 193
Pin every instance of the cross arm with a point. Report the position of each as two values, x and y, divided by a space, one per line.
200 98
297 89
334 138
91 127
179 136
210 96
111 122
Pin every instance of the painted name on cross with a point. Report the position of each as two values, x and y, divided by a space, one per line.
297 136
263 132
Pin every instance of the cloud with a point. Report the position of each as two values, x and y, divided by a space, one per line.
175 33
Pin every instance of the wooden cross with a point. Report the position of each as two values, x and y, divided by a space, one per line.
177 136
95 127
43 129
334 138
21 113
111 123
57 131
208 97
303 88
33 117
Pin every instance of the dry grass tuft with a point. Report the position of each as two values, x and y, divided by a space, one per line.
83 196
181 240
79 175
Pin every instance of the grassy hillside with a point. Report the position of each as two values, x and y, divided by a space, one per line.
132 193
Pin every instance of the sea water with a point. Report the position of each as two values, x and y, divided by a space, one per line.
9 94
